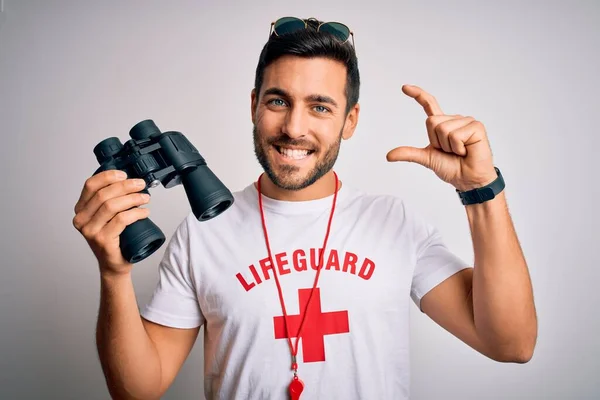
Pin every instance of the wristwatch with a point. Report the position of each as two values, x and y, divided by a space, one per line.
482 194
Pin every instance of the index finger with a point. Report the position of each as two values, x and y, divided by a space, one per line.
425 99
97 182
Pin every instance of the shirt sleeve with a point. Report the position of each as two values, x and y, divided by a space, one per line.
434 264
174 301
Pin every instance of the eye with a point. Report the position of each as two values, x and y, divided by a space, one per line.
276 102
321 109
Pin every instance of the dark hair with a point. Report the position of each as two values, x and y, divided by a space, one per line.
309 43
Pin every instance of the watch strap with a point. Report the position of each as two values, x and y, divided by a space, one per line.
482 194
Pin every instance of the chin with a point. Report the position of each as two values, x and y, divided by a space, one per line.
292 171
290 178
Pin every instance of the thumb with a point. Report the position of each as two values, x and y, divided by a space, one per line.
410 154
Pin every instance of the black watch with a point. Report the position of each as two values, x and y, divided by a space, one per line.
485 193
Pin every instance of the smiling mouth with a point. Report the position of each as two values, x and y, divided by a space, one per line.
294 154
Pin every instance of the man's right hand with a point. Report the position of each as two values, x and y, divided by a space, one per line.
108 203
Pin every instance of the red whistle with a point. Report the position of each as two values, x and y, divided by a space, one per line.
296 388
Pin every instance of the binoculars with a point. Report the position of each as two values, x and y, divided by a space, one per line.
161 158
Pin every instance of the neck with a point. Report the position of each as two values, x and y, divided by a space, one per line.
323 187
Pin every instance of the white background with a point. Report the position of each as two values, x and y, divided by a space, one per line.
75 72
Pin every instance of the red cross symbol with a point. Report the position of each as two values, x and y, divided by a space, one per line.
317 325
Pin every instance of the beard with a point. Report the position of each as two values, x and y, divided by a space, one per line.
287 177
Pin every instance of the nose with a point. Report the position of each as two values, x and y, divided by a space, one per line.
296 122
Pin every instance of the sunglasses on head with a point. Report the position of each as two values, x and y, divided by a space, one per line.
292 24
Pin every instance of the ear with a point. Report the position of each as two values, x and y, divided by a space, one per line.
253 103
351 122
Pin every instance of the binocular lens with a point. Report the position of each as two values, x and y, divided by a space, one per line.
215 210
146 251
140 239
206 193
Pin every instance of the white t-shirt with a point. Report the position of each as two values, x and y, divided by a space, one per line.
355 343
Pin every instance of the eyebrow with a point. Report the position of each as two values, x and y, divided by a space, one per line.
318 98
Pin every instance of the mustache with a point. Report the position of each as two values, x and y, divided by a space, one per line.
286 140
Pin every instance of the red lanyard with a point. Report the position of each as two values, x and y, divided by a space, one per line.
296 386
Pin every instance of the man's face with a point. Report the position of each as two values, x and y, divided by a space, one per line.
299 120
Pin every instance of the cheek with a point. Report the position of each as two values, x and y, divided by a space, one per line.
268 126
328 135
267 117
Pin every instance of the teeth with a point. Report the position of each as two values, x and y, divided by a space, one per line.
294 154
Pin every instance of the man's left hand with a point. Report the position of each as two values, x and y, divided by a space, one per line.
458 152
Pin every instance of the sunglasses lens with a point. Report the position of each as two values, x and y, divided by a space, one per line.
288 25
341 31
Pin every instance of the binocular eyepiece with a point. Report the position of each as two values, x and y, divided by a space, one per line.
161 158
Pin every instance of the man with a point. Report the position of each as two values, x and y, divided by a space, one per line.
304 285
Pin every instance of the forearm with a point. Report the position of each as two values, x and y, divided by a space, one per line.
503 305
128 357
